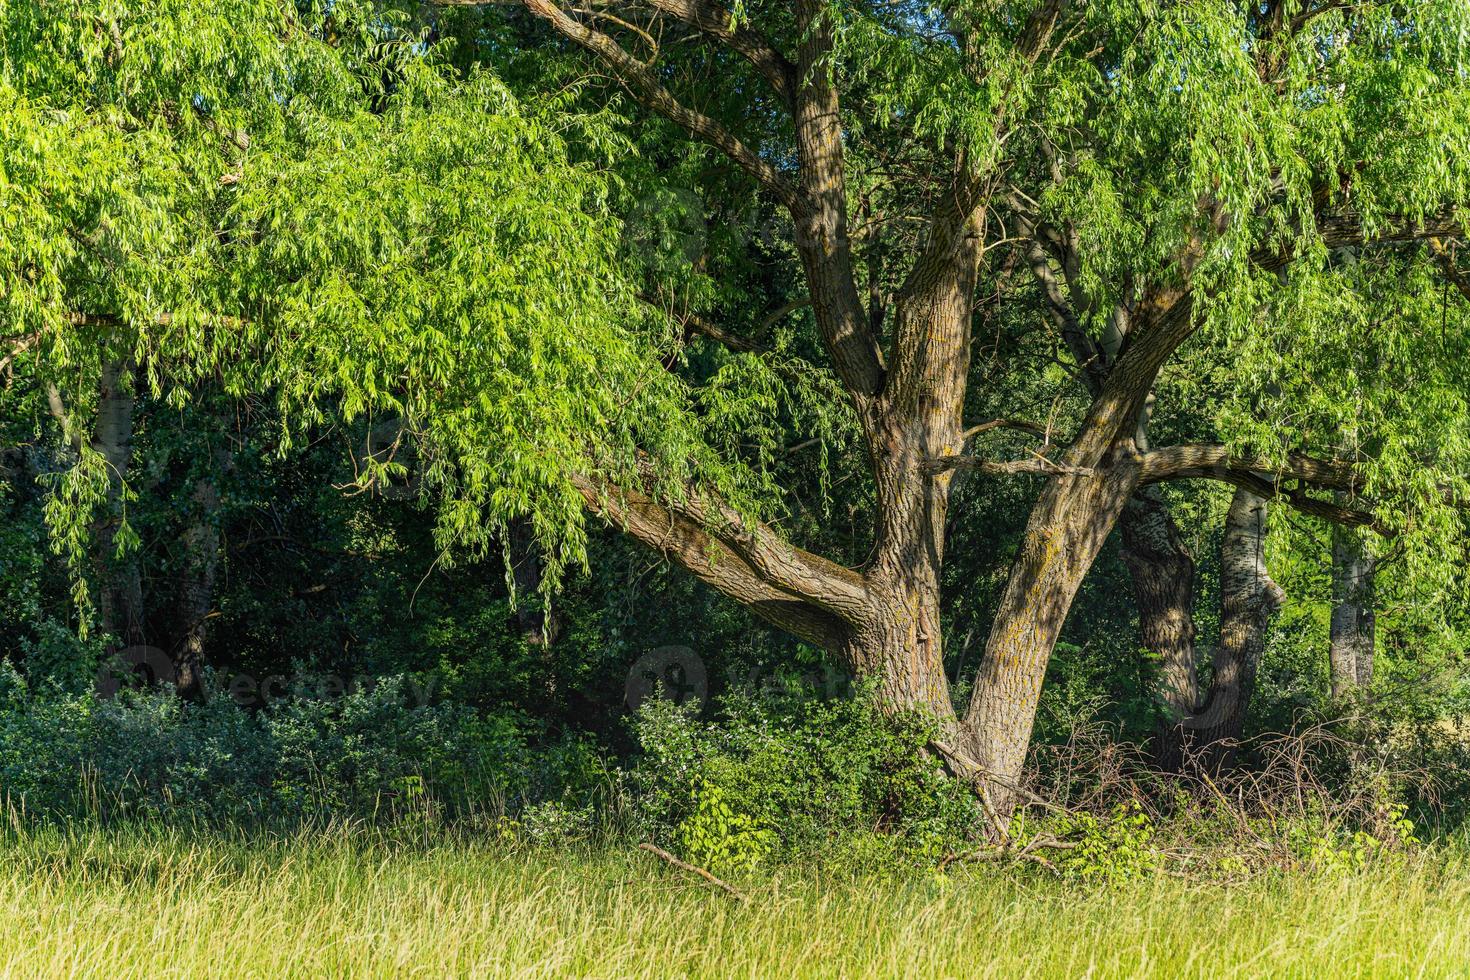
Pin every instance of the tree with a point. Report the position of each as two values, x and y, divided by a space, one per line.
385 236
1163 170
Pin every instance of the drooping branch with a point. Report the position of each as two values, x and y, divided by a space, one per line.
1166 314
778 563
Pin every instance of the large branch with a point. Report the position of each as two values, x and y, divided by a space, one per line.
749 43
1268 478
690 544
780 564
645 86
1209 460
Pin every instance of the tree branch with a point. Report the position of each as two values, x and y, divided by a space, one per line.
1009 467
800 592
1268 478
1209 460
749 43
647 89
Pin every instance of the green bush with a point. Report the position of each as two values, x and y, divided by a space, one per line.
781 776
369 754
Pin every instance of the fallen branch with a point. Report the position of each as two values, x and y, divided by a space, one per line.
659 852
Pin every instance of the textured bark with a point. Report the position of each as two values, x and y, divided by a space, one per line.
1249 598
1162 572
908 394
120 593
1066 531
1353 617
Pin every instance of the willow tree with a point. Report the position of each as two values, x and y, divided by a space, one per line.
387 238
1163 170
200 193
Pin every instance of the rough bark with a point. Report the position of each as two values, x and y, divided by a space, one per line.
1353 618
1162 573
1062 539
1249 599
885 619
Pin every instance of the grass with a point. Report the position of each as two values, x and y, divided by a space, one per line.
154 903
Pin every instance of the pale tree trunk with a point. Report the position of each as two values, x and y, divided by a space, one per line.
120 593
1353 617
1249 599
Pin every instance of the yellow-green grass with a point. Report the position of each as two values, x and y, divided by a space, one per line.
153 904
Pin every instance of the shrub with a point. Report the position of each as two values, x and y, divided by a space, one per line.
782 776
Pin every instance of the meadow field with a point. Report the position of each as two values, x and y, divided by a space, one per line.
154 903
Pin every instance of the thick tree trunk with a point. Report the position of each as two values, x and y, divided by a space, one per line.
1067 528
1162 572
901 640
120 591
1353 617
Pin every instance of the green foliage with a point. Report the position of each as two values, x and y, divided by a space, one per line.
1111 848
369 754
720 839
797 776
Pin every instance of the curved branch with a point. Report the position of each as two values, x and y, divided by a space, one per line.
1268 478
1209 460
687 542
647 89
749 43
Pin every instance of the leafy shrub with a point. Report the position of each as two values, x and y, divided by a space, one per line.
369 754
781 776
721 839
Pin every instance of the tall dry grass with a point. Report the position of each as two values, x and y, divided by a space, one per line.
168 903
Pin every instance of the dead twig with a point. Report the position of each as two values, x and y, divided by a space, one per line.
659 852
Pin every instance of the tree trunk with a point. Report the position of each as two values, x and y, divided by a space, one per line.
1162 573
1249 598
1067 528
1353 617
201 540
120 592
